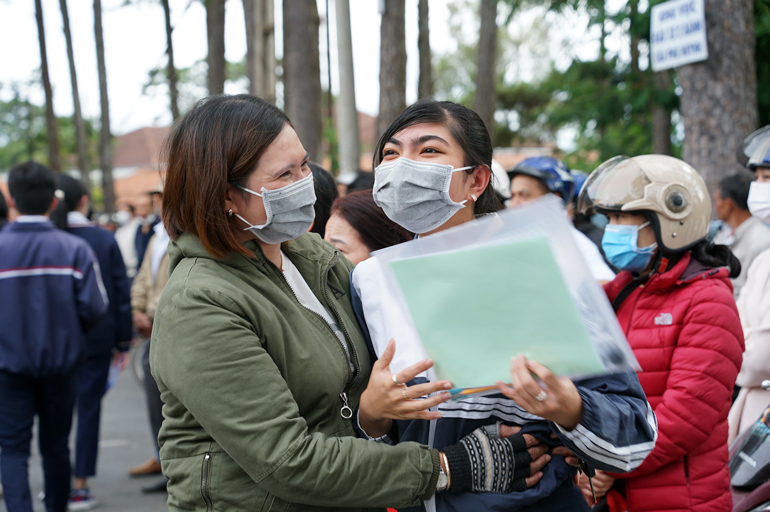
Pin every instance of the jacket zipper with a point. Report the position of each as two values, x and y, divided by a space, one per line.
345 411
205 481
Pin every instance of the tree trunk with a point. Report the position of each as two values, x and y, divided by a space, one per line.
634 8
51 124
105 137
661 117
215 28
347 115
425 87
269 46
170 68
392 63
484 104
719 95
302 73
253 13
80 128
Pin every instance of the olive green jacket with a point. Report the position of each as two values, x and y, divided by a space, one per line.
252 385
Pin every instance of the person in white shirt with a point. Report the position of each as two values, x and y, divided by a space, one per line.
746 235
541 175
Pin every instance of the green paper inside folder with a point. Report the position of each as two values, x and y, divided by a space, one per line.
475 309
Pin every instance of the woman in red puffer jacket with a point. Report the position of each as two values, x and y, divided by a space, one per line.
675 304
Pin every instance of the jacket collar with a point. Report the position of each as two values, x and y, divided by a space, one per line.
306 250
686 270
25 227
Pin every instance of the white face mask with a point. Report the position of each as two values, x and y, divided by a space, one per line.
415 195
759 200
289 211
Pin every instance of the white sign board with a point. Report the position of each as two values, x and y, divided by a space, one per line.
678 34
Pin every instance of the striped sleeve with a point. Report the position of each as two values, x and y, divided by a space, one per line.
618 429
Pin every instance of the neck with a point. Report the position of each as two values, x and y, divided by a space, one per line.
737 218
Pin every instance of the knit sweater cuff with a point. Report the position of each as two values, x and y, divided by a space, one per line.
459 468
433 482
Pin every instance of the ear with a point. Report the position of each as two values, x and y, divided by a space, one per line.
83 205
479 180
11 203
54 204
230 195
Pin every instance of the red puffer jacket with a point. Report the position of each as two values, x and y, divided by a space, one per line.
684 329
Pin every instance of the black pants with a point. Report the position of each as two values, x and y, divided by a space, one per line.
52 399
91 383
154 404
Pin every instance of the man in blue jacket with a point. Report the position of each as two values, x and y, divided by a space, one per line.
51 292
111 336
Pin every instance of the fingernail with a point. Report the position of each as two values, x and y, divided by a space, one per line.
429 361
548 458
448 385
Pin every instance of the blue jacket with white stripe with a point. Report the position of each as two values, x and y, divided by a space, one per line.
51 292
115 329
617 431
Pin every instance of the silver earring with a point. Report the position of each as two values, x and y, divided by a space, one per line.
230 212
474 198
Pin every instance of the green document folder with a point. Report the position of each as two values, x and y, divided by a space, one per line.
475 309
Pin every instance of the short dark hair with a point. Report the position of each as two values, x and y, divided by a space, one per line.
3 207
374 228
32 187
325 194
736 187
468 130
363 181
219 141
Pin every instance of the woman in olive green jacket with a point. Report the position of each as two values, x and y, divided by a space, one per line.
256 349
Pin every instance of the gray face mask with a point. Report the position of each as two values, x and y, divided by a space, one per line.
415 195
289 211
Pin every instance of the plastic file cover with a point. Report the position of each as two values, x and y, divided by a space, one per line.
509 283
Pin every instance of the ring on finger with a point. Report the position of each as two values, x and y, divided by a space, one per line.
403 392
541 396
395 380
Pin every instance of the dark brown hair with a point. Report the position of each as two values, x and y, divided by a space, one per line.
468 130
374 228
219 141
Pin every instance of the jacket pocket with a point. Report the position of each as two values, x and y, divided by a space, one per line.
206 483
272 503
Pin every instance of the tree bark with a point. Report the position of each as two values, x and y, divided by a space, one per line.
661 117
170 68
425 84
484 104
253 11
347 115
80 128
51 124
719 95
269 46
215 29
105 136
302 73
392 63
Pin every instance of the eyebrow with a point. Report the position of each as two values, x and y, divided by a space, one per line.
289 167
337 240
425 138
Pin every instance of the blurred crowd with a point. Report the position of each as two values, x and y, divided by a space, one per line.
78 290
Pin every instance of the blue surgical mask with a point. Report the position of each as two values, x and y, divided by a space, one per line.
620 245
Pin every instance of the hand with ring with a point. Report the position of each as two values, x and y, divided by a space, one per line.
387 396
558 400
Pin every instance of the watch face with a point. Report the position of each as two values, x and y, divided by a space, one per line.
442 481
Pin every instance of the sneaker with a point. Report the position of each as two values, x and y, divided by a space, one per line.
81 499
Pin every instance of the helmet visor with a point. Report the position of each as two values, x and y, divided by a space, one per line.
612 185
756 149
